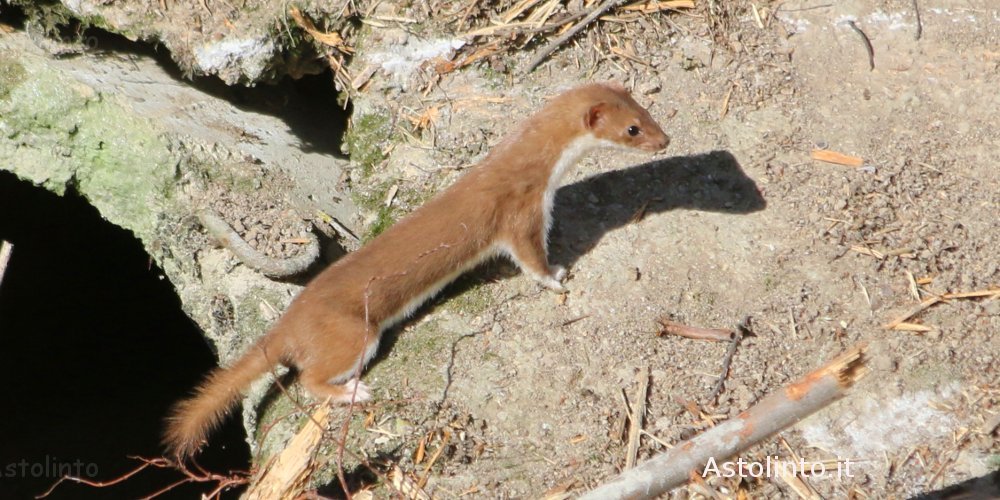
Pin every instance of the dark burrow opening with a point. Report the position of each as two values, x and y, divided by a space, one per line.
95 350
94 346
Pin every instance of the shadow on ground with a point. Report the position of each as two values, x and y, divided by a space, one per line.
587 210
984 487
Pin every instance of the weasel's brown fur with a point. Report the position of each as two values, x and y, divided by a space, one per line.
501 206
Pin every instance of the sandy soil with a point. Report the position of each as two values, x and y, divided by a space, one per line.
737 221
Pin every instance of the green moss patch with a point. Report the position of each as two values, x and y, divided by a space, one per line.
366 139
59 133
11 75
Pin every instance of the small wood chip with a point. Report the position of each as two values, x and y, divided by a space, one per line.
825 155
912 327
637 417
724 109
914 292
6 249
868 251
391 195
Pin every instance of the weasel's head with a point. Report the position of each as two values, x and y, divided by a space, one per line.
615 117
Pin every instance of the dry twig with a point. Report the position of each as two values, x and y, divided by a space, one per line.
445 437
694 332
744 328
900 322
555 44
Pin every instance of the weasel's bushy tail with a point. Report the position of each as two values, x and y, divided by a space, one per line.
192 420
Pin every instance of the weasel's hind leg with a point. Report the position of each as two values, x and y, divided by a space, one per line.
319 384
331 366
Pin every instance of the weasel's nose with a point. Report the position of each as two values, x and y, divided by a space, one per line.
662 143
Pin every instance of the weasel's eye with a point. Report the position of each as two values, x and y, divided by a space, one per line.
633 131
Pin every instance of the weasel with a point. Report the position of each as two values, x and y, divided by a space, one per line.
502 206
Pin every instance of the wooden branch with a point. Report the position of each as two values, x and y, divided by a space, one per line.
286 475
772 414
275 268
555 44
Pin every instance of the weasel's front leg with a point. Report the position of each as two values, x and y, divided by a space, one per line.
527 249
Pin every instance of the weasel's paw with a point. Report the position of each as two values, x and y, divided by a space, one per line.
357 390
558 273
554 279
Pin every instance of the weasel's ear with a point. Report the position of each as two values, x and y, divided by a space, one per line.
595 115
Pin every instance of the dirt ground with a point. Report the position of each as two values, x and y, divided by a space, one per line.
736 221
523 391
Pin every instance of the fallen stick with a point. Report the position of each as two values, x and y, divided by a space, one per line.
911 312
772 414
275 268
694 332
550 48
286 475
